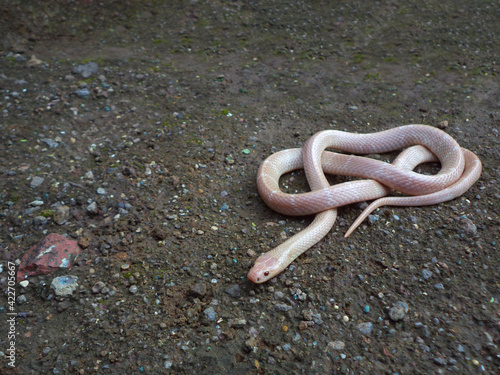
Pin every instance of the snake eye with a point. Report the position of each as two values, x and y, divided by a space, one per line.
266 273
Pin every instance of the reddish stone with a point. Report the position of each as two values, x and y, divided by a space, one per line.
54 251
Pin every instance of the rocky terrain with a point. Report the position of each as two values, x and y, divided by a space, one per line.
135 130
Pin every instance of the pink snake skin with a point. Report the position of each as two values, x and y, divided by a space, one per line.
460 169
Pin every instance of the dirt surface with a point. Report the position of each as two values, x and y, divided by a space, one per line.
156 152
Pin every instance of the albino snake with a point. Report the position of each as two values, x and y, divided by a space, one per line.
460 169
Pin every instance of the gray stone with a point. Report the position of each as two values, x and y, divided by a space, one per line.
279 295
317 319
336 345
21 299
40 221
199 289
426 274
133 289
50 142
365 328
210 313
36 181
283 307
237 323
61 215
82 92
251 343
98 286
440 361
234 291
64 285
398 311
439 286
468 226
62 306
92 208
86 70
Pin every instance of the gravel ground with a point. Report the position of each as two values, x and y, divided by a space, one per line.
137 128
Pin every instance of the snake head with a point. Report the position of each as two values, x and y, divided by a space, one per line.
266 267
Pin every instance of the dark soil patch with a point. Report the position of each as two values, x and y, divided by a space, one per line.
163 143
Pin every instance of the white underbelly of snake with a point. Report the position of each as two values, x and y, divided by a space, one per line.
460 169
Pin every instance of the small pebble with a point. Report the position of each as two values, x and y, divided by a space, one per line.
82 93
234 291
468 226
36 182
50 142
439 286
40 221
19 58
398 311
210 313
61 215
426 274
199 289
133 289
440 361
92 208
283 307
365 328
86 70
21 299
336 345
279 295
98 286
237 323
443 124
64 285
